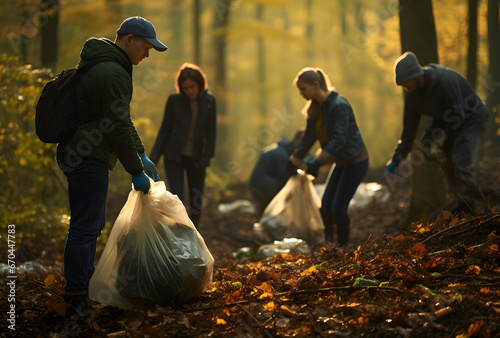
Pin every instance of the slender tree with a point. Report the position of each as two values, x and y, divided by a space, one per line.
418 34
221 23
472 51
176 16
261 71
197 31
310 30
49 22
493 89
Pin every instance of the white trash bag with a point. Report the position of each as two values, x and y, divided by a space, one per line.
293 213
154 254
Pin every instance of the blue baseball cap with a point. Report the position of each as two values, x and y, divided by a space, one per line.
138 26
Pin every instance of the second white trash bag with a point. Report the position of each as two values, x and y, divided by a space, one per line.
293 213
154 254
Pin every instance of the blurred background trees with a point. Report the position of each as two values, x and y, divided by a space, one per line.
251 51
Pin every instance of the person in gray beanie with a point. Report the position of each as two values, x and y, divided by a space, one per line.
407 68
459 118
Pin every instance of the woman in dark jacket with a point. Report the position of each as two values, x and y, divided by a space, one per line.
186 137
330 120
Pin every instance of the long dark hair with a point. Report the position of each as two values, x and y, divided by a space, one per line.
193 72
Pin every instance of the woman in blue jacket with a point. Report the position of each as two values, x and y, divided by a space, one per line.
330 120
186 137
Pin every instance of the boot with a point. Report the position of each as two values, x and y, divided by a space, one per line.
328 223
342 222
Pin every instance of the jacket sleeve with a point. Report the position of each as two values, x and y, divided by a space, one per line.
307 140
137 140
411 120
122 134
211 131
164 132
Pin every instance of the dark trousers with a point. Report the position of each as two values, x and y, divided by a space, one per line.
459 168
339 191
195 175
88 189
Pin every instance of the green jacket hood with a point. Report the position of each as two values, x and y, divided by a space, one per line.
95 48
107 132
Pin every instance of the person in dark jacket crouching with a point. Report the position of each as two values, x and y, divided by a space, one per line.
454 136
330 119
105 134
186 137
270 174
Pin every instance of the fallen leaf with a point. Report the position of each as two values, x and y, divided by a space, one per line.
266 295
417 250
430 264
309 271
266 287
269 306
220 321
287 311
479 328
473 270
49 281
494 250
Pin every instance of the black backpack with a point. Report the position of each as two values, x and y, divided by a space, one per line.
56 117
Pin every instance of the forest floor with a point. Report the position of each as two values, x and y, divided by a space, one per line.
437 278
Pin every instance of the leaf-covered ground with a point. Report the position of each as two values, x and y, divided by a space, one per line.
433 279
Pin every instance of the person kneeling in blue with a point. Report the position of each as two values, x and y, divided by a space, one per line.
270 174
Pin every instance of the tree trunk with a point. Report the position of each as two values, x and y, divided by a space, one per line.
493 89
49 27
221 23
310 31
343 13
196 32
418 34
175 18
472 51
261 71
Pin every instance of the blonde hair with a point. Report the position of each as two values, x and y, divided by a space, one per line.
310 75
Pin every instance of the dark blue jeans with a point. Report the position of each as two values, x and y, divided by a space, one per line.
88 189
196 182
459 168
341 187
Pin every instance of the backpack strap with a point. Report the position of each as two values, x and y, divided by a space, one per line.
91 64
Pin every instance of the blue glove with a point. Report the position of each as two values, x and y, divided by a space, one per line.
204 161
391 168
149 167
141 182
313 167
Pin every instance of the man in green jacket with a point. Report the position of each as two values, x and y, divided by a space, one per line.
105 134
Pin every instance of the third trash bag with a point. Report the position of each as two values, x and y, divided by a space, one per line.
293 213
154 254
